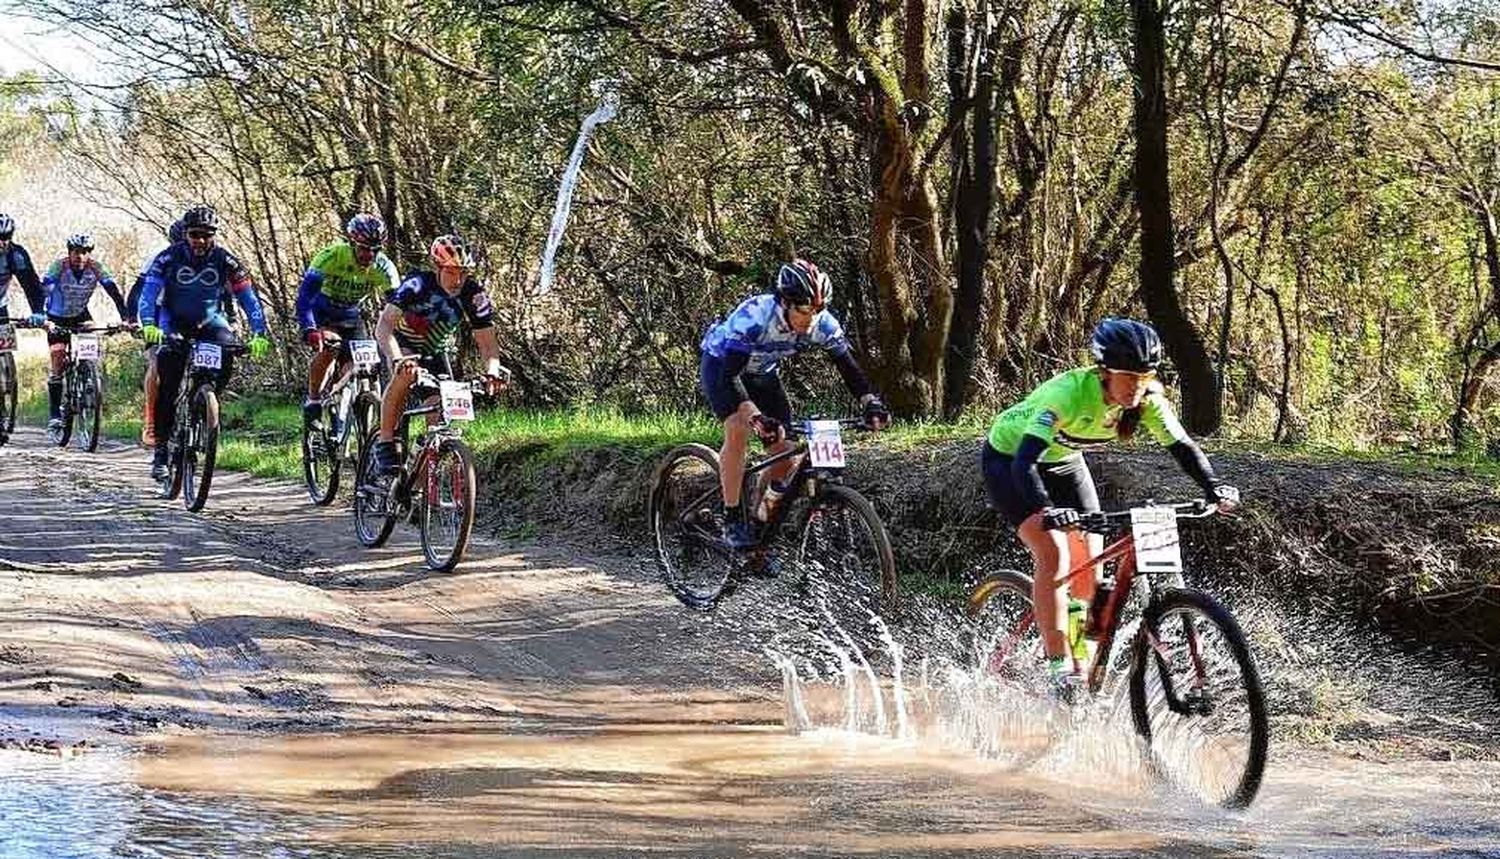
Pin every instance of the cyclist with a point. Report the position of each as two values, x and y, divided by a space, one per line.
1036 477
341 280
184 294
69 284
418 327
149 383
15 263
738 373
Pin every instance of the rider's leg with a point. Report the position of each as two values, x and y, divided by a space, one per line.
170 366
1049 556
391 407
766 391
148 410
1070 484
57 357
732 453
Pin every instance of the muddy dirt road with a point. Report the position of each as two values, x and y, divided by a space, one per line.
249 681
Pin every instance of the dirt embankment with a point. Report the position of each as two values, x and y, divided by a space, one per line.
1416 552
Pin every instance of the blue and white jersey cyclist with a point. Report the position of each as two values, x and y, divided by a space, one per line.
183 294
739 375
68 286
15 264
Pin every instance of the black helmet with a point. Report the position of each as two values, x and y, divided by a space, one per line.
176 233
1125 344
200 218
799 283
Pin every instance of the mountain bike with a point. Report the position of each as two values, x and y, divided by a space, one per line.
193 444
1195 695
83 382
435 487
351 408
835 532
9 383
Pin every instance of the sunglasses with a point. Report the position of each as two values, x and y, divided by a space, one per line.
1144 377
200 234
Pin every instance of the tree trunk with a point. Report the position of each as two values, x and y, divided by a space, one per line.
1201 413
974 203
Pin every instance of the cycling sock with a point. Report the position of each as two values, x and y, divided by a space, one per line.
1058 665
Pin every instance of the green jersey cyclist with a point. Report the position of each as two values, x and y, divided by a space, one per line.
1036 477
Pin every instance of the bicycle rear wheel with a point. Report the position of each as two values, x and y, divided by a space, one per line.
446 492
1197 700
687 525
373 517
844 555
90 399
202 447
1006 643
8 395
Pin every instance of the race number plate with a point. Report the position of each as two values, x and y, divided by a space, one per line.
208 356
86 348
826 446
1157 549
458 401
7 338
365 354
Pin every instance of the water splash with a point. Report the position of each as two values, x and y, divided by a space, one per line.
609 105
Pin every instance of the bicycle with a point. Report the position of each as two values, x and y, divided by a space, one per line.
837 530
193 444
9 383
351 408
435 486
83 381
1172 671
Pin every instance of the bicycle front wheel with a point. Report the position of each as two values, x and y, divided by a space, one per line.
1197 700
321 460
68 405
90 393
446 493
845 555
8 394
202 447
687 525
373 517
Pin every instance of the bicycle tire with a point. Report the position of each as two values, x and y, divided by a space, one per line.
883 584
441 559
324 461
8 395
1016 657
690 473
371 528
90 405
364 417
1144 705
176 443
69 395
199 457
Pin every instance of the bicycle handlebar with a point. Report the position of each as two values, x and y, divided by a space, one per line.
1100 521
804 427
87 328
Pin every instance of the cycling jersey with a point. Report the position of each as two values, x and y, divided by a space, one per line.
16 263
1070 414
758 328
69 289
335 286
184 293
430 317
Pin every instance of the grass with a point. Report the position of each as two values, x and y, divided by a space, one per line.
262 431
